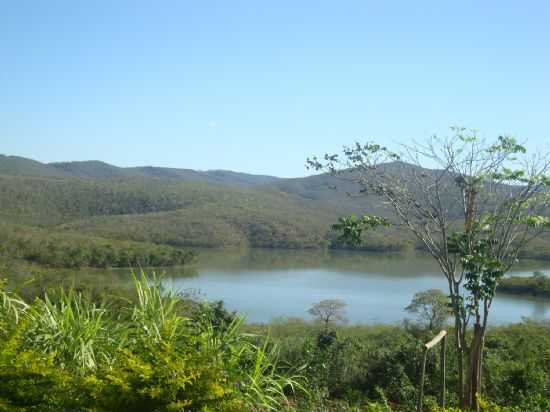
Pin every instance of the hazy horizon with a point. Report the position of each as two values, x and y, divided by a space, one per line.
132 166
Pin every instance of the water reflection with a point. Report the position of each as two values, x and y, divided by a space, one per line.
265 284
540 309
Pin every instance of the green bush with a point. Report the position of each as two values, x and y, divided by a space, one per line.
65 353
536 285
70 250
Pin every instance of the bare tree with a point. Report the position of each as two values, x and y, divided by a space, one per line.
329 311
473 210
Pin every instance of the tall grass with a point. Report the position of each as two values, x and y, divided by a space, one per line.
155 313
75 331
265 385
11 308
145 357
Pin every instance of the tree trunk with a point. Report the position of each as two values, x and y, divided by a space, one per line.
460 361
459 339
474 369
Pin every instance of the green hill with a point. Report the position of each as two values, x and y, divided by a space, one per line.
187 208
343 193
181 207
165 211
20 166
93 169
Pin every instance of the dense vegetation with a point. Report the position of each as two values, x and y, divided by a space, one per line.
187 208
354 365
70 250
536 285
64 352
144 349
165 211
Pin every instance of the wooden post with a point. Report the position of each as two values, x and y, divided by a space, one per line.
422 373
441 335
443 370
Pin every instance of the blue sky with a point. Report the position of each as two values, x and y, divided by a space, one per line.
258 86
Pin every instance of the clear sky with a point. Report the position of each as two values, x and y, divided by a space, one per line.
258 86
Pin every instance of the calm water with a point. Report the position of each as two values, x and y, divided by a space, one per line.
268 284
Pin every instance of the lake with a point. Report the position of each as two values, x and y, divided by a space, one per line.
268 284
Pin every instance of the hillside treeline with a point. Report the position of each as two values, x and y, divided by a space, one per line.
69 250
183 213
165 211
537 285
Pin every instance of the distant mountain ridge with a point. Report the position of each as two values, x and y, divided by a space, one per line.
95 169
328 192
312 188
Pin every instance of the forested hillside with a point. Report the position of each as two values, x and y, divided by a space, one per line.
186 208
178 207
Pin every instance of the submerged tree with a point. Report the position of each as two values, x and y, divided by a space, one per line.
477 206
431 306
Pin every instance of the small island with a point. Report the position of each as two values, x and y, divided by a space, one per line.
537 285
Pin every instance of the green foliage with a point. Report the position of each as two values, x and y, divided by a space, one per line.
536 285
154 316
67 353
365 365
11 309
86 338
31 381
482 269
354 366
185 208
352 227
167 211
432 307
518 361
147 356
71 250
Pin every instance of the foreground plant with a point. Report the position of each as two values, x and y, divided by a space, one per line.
12 307
63 352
